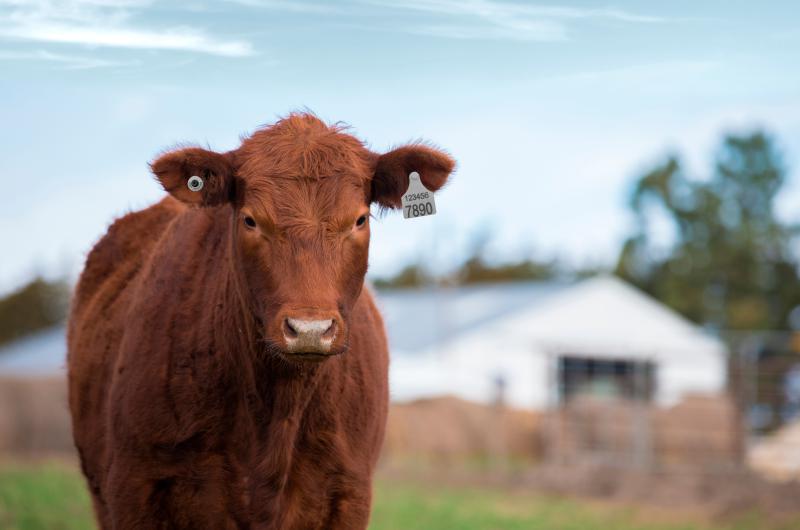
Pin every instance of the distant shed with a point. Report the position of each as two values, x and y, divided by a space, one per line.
539 344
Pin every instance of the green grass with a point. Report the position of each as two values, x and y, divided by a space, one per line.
52 496
400 507
462 508
49 496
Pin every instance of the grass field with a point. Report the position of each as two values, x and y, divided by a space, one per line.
51 496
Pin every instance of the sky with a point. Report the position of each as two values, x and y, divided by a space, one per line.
550 109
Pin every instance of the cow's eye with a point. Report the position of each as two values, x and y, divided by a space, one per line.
361 221
249 221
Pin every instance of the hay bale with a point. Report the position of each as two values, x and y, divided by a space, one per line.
451 429
34 416
700 430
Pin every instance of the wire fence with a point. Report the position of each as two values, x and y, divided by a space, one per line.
606 412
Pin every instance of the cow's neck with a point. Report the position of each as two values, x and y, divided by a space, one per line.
273 394
223 386
284 400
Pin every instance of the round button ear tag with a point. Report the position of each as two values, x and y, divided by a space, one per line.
417 201
195 183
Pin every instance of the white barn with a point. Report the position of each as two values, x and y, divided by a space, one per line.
540 343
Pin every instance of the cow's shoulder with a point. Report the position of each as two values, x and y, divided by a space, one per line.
121 251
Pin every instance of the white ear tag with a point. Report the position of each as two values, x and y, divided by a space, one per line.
195 183
417 201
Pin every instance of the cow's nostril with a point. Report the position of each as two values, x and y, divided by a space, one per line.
288 329
331 331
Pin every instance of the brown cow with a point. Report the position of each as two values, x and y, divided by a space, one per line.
227 369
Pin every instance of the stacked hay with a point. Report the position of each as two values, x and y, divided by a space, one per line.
777 456
698 431
449 429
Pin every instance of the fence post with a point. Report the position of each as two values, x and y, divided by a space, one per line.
642 432
744 365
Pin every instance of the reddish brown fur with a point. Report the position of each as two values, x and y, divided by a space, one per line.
187 410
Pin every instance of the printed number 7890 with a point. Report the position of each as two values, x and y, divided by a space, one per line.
419 210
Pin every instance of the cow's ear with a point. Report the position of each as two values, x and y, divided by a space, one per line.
196 176
390 179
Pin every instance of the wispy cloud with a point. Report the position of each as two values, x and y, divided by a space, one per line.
294 6
105 23
475 19
67 62
490 9
533 30
644 73
184 39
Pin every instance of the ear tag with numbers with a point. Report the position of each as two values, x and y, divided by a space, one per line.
417 201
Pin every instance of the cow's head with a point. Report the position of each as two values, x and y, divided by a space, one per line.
300 193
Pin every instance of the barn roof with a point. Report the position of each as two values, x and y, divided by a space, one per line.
599 316
417 319
605 316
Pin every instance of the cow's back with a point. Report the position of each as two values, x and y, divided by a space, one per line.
97 319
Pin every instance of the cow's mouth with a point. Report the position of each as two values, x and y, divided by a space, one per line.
310 357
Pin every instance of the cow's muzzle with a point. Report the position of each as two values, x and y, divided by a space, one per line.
311 337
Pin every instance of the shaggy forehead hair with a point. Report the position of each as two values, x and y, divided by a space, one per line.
301 171
301 146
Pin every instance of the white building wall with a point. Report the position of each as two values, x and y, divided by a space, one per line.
680 375
602 318
469 367
473 366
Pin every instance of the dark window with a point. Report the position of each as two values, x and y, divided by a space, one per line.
605 378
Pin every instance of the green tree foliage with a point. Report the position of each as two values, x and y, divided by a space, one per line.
413 275
38 305
479 267
730 264
473 271
476 269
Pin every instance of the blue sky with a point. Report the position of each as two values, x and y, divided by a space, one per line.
550 109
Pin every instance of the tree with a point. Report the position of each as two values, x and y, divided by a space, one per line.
730 264
36 306
411 276
477 268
